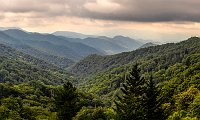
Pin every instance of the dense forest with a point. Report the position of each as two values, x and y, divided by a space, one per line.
152 83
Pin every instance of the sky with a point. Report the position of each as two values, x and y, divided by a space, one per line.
157 20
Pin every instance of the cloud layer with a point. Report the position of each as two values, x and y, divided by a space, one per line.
147 19
119 10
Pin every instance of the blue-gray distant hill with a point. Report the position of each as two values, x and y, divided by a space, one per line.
64 51
69 34
149 44
51 48
105 44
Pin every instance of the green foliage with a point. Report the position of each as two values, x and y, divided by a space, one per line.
181 115
91 114
188 101
129 105
17 71
30 88
153 102
194 107
67 102
184 99
23 102
140 99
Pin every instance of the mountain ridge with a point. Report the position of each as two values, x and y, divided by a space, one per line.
123 58
66 49
70 34
171 64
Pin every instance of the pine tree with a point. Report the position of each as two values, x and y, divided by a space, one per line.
67 102
140 100
129 105
153 102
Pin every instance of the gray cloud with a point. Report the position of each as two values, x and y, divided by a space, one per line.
152 11
119 10
34 8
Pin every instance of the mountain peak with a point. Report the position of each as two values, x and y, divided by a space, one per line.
7 28
70 34
120 36
103 37
149 44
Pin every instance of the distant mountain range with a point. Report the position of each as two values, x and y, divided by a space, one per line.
48 47
69 34
104 44
65 48
7 28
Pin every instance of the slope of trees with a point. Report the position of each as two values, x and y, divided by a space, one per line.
35 101
174 67
165 84
103 75
163 56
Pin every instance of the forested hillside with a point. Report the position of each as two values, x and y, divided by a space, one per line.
161 55
157 82
175 68
24 91
152 59
17 67
28 86
13 54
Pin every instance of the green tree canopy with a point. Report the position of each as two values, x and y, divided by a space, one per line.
67 102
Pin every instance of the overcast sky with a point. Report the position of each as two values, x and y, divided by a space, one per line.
163 20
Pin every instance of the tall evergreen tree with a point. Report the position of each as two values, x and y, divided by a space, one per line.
153 102
140 99
129 105
67 102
